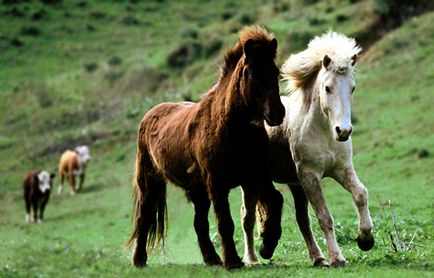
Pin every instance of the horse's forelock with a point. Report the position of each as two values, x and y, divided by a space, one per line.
260 37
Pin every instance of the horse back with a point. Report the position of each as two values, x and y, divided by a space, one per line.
164 135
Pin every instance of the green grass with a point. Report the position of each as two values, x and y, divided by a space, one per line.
49 101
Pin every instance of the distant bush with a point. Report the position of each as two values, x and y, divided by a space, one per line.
299 40
44 99
281 7
246 19
227 15
38 15
12 2
16 12
190 32
30 31
90 66
51 2
130 19
115 61
315 21
341 18
17 42
394 12
97 15
329 9
82 4
90 27
212 47
185 54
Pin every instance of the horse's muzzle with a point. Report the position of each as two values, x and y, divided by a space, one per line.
274 119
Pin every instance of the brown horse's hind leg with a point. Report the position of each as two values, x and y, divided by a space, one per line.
201 225
303 221
226 229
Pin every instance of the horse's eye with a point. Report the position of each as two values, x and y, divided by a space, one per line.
353 89
327 88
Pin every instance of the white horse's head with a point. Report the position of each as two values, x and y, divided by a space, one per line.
336 87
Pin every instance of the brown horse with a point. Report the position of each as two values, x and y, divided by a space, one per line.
211 147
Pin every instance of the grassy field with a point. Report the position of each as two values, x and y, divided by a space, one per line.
86 71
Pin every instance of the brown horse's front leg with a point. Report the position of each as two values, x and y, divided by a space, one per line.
270 206
226 229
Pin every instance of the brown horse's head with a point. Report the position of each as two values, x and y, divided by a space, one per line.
259 75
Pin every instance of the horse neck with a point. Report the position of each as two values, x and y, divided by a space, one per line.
228 103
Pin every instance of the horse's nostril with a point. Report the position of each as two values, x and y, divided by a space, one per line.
338 130
350 130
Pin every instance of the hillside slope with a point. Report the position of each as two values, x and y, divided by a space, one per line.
93 69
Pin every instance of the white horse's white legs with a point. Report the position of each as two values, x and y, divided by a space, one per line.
248 210
310 181
349 180
303 221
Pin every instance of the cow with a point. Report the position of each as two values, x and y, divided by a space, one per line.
73 163
37 189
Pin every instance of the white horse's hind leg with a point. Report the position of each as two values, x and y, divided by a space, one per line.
248 210
349 180
311 185
303 221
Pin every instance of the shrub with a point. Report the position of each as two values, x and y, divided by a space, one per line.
190 32
185 54
91 66
30 31
115 61
17 42
38 15
130 19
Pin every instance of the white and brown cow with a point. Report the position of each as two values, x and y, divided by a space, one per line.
72 164
37 189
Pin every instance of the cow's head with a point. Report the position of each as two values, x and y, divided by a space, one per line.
83 153
44 181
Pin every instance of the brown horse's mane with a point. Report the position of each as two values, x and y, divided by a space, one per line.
257 34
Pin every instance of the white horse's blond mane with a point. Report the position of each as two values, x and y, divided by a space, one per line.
299 68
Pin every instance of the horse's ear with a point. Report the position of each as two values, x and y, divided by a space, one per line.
248 48
326 61
354 60
273 44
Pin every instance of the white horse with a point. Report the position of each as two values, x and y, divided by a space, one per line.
314 142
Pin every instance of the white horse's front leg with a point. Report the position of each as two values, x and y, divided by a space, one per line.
248 210
349 180
310 180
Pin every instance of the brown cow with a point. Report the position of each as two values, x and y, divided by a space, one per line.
37 189
72 164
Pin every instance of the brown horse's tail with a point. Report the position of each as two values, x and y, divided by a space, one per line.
149 201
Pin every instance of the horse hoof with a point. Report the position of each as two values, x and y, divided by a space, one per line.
337 264
139 261
265 252
213 261
321 262
233 265
365 244
251 261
